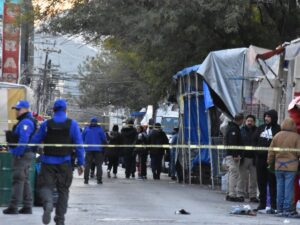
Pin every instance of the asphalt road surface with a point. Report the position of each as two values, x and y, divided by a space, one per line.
130 202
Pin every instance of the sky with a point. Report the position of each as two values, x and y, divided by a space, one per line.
2 3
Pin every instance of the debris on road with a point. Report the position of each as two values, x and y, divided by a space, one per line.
182 212
243 210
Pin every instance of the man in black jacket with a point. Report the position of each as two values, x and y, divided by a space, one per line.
157 137
233 138
113 154
263 137
247 164
129 137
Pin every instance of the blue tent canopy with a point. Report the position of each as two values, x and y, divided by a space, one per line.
137 114
186 71
196 119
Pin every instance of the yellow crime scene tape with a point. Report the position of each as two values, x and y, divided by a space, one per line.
80 123
166 146
15 121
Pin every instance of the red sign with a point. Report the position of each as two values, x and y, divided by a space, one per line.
11 41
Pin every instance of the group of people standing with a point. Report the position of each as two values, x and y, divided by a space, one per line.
133 158
271 172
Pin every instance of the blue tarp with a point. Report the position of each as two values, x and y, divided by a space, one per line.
191 133
137 114
186 71
205 102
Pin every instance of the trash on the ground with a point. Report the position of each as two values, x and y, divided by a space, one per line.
243 210
286 221
182 212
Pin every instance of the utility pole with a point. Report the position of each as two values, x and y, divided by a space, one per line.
43 87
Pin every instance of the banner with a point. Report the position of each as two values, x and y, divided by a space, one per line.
11 41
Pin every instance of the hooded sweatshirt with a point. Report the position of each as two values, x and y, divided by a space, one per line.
157 137
94 134
265 133
286 138
129 136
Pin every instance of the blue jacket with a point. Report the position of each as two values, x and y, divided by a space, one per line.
60 117
24 130
94 135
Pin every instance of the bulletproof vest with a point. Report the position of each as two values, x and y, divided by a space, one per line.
12 137
58 133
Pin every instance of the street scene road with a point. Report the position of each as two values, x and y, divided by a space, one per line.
206 91
123 201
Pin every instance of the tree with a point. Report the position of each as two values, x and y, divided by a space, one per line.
153 39
107 81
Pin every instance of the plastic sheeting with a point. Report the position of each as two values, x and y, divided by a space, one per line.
292 51
195 121
223 70
186 71
192 126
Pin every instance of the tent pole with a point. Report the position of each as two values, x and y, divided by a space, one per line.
183 138
198 128
189 149
210 152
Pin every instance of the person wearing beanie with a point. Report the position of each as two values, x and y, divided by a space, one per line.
93 135
157 137
114 138
142 153
56 168
233 138
129 137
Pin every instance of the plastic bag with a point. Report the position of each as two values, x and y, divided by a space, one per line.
242 210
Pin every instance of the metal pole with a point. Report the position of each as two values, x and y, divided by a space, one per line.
44 82
38 98
210 152
277 100
189 127
198 128
182 137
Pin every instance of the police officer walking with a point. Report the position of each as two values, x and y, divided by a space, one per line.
56 169
94 135
22 157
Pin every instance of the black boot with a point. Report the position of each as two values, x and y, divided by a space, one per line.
46 218
154 176
25 210
10 210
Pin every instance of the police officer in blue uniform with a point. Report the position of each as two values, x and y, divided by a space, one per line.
56 168
22 158
94 134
